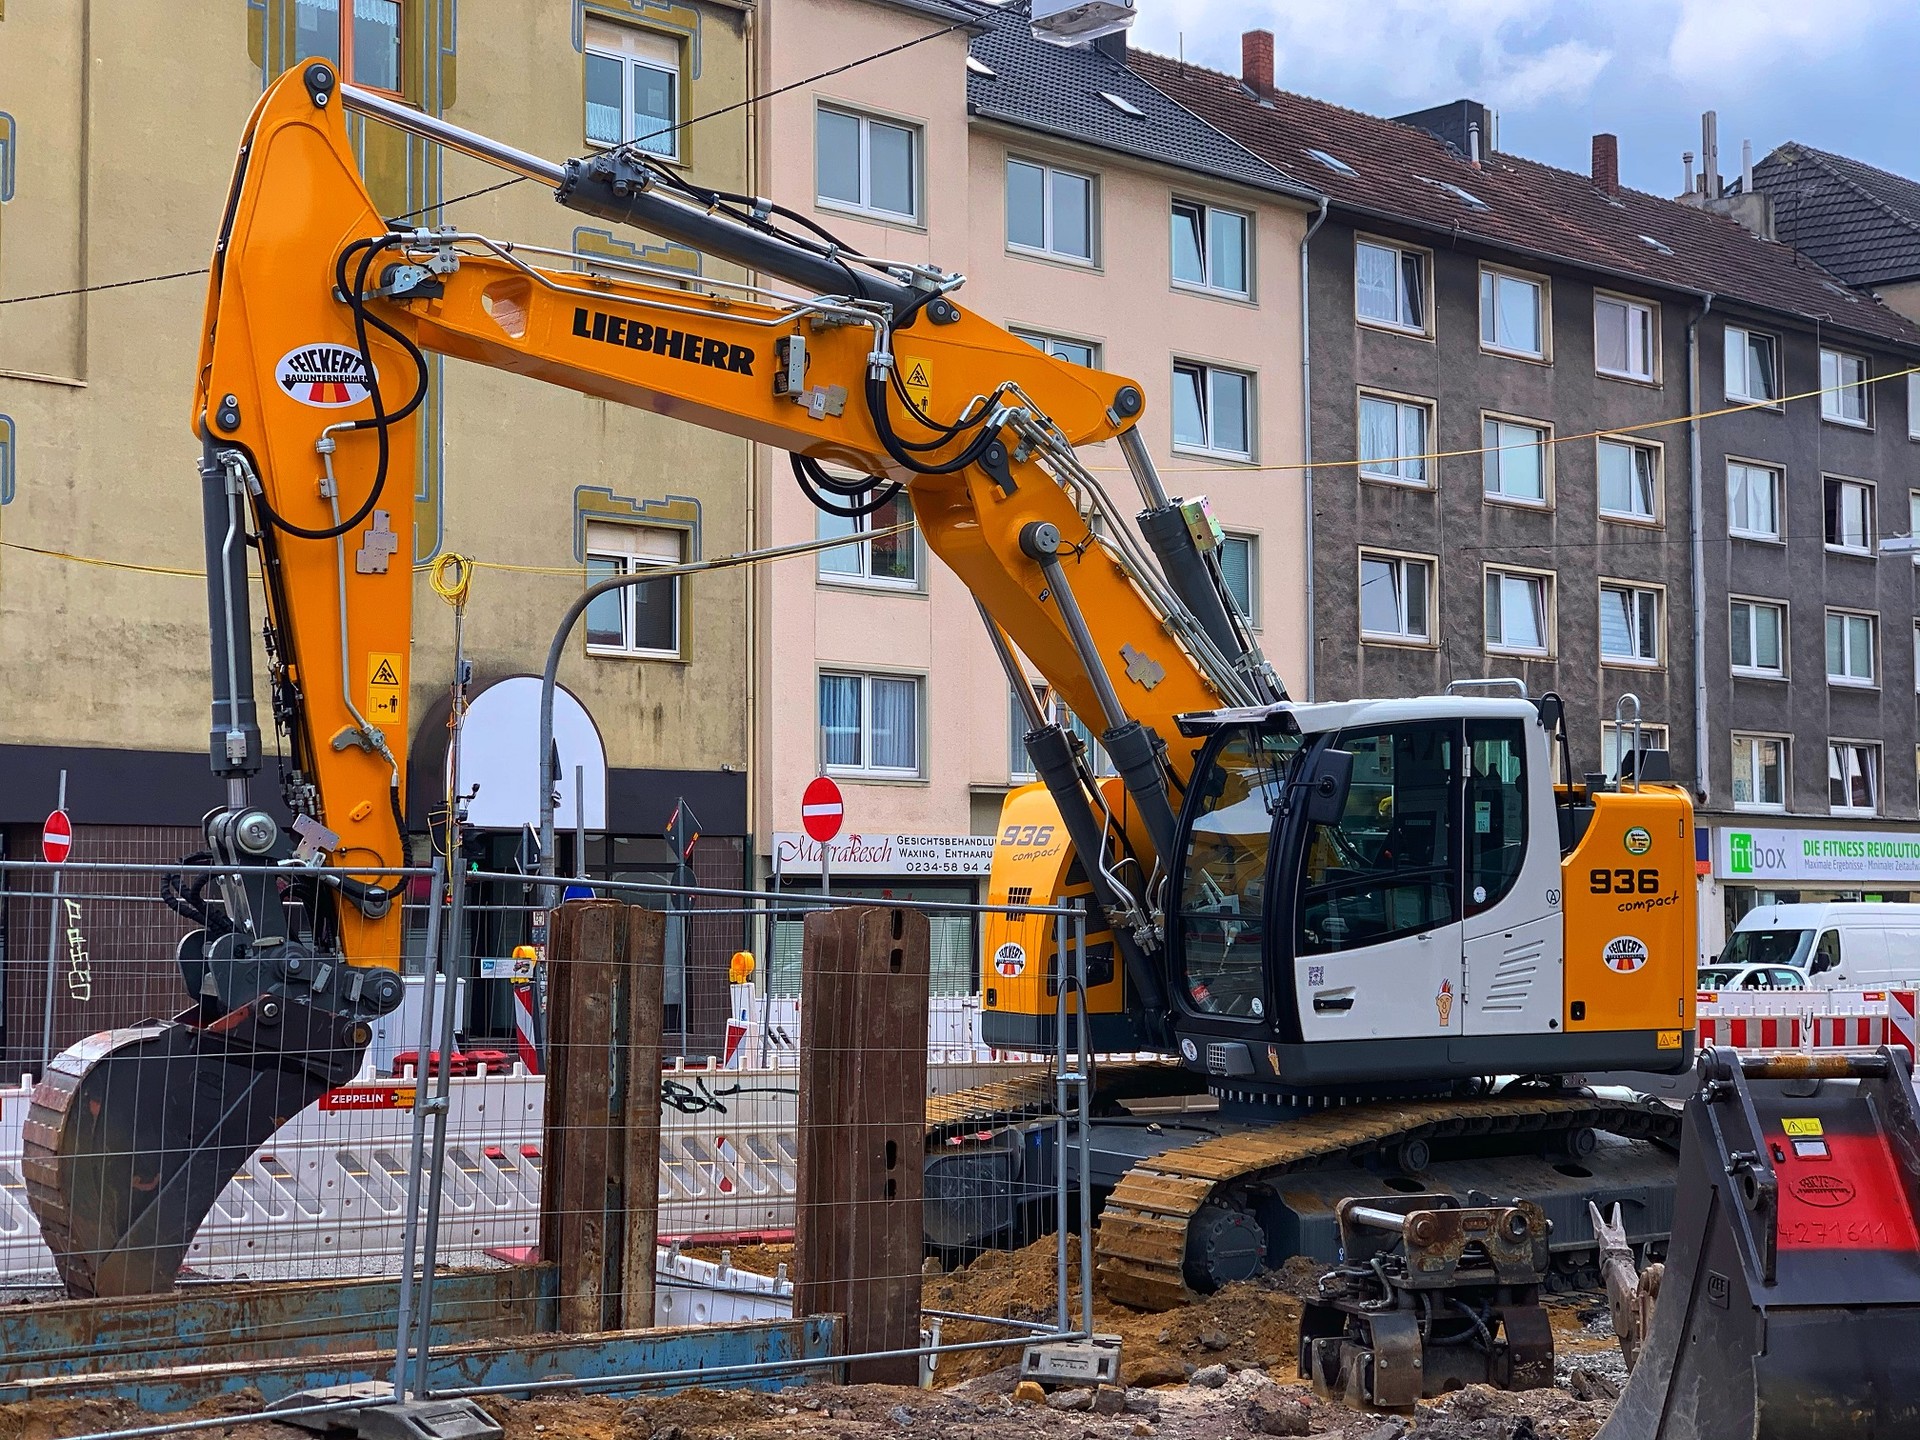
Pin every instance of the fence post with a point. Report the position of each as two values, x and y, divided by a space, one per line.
858 1225
599 1196
430 972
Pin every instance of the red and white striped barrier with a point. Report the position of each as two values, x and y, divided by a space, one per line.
1809 1019
528 1048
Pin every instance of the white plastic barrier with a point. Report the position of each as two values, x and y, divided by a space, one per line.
703 1292
1804 1020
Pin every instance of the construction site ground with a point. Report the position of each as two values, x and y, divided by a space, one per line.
1219 1369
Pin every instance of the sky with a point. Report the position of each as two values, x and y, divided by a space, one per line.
1840 75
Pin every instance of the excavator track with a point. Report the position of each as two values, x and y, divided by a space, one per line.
1141 1248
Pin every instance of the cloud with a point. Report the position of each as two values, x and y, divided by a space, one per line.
1716 39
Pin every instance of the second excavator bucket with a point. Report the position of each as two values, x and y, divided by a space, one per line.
1790 1302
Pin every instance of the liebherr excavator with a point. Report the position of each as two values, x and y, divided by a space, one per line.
1341 918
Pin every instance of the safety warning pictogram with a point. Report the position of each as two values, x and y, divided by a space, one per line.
917 378
383 688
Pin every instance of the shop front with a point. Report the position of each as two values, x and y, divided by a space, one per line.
1786 865
947 868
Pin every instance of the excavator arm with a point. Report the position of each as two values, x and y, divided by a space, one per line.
312 370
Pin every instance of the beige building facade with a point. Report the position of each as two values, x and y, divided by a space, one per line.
1094 218
109 175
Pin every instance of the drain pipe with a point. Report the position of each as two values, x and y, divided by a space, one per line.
1306 439
1702 782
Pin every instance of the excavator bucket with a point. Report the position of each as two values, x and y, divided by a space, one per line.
132 1135
1790 1302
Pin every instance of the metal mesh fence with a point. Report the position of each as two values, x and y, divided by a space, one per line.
523 1151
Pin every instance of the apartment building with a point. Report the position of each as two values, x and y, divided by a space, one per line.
1508 482
1104 223
107 176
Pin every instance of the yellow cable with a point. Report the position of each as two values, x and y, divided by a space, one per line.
450 576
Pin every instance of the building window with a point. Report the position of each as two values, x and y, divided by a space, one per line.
1843 387
1210 248
870 724
1753 371
1624 341
1629 480
1753 499
1850 648
1759 629
1513 314
1630 625
1049 211
633 88
1514 461
1759 772
1390 285
1077 352
1395 594
641 620
1849 516
1853 776
1617 741
865 164
1913 406
1916 656
361 37
1020 764
1212 410
1240 565
1519 612
1393 439
892 561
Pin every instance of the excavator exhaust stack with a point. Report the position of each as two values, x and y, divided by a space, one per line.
1790 1302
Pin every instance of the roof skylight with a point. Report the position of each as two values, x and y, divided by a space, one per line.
1465 197
1840 290
1332 162
1123 105
979 66
1654 244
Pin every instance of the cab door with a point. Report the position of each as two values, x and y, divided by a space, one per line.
1377 914
1514 934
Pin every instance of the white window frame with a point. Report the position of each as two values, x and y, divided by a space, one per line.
1208 286
864 578
1402 562
1651 316
866 770
1779 473
1550 620
1755 770
1252 542
1847 679
1913 406
1046 250
1404 454
1634 590
1740 396
633 47
1834 389
1020 769
1916 657
1870 514
1494 448
1612 737
865 207
1657 516
1208 370
1751 671
340 52
632 561
1051 343
1490 278
1404 255
1870 753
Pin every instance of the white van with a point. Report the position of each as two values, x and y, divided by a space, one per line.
1840 946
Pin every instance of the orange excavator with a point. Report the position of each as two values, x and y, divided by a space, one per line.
1341 918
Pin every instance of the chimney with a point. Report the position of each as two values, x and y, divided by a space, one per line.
1256 61
1606 164
1473 142
1686 158
1746 166
1710 155
1113 46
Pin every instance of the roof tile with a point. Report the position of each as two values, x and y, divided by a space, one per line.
1860 222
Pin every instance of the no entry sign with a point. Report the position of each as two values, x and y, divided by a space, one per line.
56 837
822 810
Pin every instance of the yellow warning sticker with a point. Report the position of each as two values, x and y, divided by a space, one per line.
383 688
1801 1127
918 380
1667 1040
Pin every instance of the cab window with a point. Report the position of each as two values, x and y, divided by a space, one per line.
1826 955
1389 868
1496 837
1223 892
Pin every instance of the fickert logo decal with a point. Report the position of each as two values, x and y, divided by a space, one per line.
328 377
